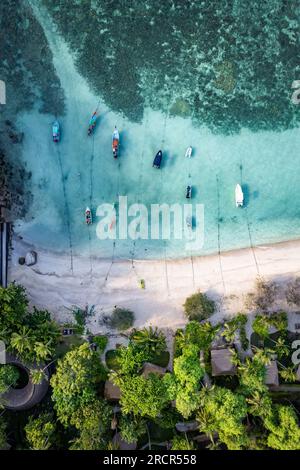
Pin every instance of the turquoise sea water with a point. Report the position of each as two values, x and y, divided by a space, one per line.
249 147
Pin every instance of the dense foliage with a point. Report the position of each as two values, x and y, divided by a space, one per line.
74 383
198 307
31 335
121 319
9 376
232 412
40 432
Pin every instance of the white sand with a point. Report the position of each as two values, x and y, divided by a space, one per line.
226 279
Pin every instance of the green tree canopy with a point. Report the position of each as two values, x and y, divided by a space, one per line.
142 396
184 384
223 411
284 428
182 443
132 428
9 376
75 380
31 335
92 419
41 432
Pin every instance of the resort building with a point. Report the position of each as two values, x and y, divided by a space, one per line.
221 362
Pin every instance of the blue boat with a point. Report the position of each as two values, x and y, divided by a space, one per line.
92 123
157 159
55 131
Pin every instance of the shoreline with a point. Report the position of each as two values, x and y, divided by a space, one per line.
106 283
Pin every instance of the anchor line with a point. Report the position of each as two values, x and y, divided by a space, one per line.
219 234
138 193
67 210
248 227
161 186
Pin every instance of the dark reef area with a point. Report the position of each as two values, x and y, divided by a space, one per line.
227 64
27 69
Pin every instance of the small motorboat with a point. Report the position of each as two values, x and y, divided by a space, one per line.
55 131
157 159
88 216
188 152
188 192
115 142
239 196
92 123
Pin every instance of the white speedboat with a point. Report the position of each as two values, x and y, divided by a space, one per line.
188 152
239 196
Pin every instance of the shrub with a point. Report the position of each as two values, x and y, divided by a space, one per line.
261 326
9 376
81 315
101 342
243 338
182 443
112 359
199 307
279 320
121 319
293 292
263 297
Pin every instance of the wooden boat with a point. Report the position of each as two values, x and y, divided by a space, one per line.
188 192
88 216
157 159
115 143
92 123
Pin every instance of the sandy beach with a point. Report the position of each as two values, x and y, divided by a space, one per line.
106 283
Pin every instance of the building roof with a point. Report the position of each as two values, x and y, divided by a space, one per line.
149 368
272 374
221 362
111 391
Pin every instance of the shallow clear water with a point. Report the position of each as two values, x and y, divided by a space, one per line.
81 171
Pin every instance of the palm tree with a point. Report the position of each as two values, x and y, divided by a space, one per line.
42 350
263 356
260 404
37 376
229 332
281 348
22 341
149 338
206 424
288 374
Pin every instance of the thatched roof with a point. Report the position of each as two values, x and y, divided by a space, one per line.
221 362
272 374
149 368
111 391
